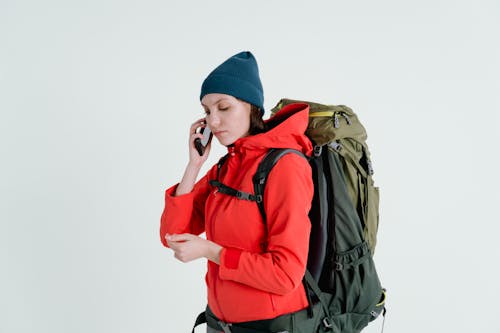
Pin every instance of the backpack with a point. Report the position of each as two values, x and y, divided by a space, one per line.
340 279
344 216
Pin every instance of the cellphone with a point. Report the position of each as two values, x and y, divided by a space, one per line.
201 144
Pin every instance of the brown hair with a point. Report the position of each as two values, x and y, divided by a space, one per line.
257 124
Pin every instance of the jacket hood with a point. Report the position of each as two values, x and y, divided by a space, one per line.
286 129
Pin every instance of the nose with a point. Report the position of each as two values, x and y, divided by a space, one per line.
213 121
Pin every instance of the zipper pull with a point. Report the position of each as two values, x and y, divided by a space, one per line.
346 117
335 120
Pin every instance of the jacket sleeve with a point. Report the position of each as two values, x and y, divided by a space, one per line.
184 213
287 201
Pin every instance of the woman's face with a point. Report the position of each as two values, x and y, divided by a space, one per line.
227 117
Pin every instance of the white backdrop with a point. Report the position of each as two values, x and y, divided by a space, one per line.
96 98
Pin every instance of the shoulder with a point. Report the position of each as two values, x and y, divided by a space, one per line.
290 166
292 160
290 180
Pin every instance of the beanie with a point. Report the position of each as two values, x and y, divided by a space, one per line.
238 76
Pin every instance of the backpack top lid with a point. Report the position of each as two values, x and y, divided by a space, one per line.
324 122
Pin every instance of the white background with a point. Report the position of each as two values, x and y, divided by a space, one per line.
96 98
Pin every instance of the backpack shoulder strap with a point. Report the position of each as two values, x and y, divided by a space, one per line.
229 190
259 179
221 162
265 166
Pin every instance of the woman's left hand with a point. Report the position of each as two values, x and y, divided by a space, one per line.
188 247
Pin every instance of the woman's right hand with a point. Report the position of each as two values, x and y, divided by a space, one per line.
195 160
194 156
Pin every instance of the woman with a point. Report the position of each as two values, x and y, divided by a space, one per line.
255 268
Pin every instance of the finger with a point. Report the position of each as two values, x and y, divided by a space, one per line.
195 136
173 245
197 124
181 237
201 120
182 257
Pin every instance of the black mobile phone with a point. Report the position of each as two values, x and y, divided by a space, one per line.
201 144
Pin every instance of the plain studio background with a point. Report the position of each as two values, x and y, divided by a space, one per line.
96 99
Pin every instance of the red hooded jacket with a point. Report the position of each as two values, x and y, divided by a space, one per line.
261 264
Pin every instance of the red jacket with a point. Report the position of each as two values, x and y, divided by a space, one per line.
261 264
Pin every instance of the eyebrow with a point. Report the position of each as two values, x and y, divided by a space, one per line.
220 99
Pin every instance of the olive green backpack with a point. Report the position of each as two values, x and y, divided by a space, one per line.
341 272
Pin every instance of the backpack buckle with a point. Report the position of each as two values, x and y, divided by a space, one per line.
370 168
242 195
317 150
225 326
327 323
336 146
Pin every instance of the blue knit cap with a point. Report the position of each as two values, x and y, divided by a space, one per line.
238 76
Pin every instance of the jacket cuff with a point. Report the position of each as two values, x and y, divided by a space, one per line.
230 258
179 206
179 203
170 192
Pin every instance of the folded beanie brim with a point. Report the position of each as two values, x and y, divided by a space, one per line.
234 86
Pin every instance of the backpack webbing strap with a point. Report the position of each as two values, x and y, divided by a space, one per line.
259 179
364 165
233 192
222 188
326 321
201 319
263 170
311 283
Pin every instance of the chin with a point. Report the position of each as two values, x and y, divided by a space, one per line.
225 143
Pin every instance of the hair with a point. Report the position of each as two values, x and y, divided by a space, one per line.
257 124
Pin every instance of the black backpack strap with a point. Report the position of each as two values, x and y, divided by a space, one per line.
201 319
327 322
263 170
226 189
259 179
233 192
220 164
